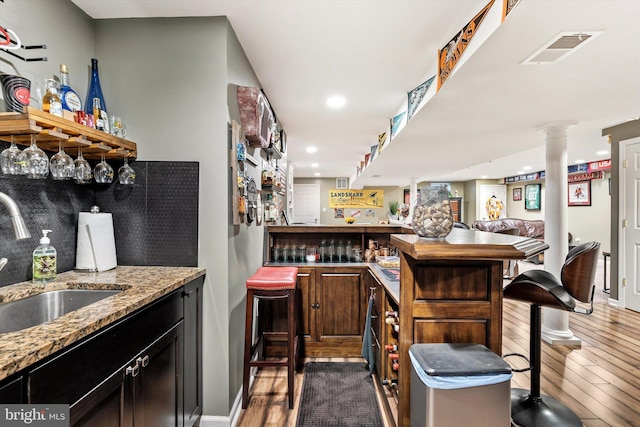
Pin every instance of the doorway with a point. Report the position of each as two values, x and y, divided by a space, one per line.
306 204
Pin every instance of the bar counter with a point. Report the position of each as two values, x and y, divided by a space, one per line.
451 292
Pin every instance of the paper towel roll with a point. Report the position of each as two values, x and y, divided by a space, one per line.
96 248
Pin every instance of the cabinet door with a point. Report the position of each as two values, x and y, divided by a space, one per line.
107 405
341 313
157 389
192 351
307 303
11 391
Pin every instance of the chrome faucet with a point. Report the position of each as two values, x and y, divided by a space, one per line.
19 227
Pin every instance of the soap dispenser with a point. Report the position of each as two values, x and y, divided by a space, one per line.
44 260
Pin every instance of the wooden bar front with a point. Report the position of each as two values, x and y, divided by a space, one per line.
451 292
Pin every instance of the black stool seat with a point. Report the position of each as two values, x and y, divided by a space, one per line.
542 289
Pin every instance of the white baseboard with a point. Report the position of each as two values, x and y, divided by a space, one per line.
230 421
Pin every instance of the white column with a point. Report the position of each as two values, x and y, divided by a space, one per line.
555 323
413 193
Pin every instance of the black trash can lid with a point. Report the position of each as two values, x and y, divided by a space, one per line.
458 360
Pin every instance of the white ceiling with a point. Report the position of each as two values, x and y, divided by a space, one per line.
482 123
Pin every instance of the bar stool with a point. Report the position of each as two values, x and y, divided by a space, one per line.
270 283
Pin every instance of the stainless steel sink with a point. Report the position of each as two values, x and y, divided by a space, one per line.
47 306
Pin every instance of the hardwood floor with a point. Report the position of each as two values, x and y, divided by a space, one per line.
600 380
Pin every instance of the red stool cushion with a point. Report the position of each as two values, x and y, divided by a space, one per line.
273 278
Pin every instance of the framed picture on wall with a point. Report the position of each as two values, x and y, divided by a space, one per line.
580 193
517 194
532 197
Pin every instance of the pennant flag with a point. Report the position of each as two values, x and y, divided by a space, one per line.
450 54
508 7
416 96
397 123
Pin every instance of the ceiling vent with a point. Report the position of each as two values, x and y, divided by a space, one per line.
560 46
342 183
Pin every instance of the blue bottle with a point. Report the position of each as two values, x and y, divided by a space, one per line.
95 91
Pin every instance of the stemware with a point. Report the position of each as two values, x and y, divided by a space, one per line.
82 170
35 163
10 159
126 174
103 172
61 165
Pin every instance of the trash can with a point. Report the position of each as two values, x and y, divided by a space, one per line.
459 385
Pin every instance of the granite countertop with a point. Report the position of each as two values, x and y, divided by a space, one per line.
140 286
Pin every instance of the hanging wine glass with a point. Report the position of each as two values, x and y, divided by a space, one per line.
82 170
10 159
103 172
126 174
35 163
61 165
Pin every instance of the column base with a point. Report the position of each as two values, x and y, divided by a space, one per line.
554 337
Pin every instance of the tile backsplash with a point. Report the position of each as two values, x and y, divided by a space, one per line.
155 220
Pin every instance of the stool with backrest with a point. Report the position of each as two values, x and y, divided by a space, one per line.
270 283
542 289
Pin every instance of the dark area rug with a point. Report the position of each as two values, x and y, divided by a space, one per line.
336 394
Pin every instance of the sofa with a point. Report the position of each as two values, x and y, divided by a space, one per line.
526 228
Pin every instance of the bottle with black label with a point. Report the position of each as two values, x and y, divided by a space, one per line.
69 98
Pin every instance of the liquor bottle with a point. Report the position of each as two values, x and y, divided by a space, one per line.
69 98
394 356
95 91
391 382
51 101
97 114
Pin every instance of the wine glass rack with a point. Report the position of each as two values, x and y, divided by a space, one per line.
50 131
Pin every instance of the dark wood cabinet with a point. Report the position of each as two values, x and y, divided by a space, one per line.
456 208
192 297
332 310
143 370
145 392
11 391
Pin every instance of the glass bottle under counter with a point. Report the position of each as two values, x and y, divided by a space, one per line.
331 251
323 251
340 255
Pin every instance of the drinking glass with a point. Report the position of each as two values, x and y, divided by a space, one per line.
126 174
61 165
103 172
10 159
35 163
82 170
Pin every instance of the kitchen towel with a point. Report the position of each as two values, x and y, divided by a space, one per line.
96 248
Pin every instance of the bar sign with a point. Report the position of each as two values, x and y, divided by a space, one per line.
36 415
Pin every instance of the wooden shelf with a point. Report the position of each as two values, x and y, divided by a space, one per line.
50 130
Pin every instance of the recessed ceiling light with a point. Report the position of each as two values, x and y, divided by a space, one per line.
314 165
526 168
336 101
520 172
602 153
312 150
484 177
580 161
317 174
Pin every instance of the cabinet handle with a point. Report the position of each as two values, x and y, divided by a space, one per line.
133 371
304 274
145 361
